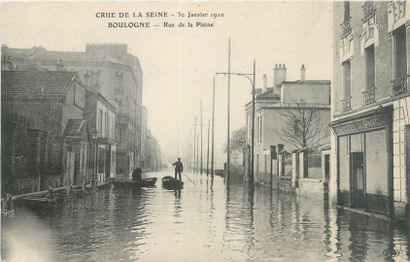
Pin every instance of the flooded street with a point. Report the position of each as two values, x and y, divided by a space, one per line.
203 222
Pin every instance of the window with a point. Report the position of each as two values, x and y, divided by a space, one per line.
347 81
400 53
346 8
108 126
118 135
105 124
370 67
118 83
100 119
259 128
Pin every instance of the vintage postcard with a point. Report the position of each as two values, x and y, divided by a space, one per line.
205 131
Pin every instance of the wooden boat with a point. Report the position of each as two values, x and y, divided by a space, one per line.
42 202
169 182
147 182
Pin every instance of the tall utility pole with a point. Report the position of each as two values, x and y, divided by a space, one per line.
228 153
207 153
201 134
188 158
251 177
252 81
213 129
194 160
197 153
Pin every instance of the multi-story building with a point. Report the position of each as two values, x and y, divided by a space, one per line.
153 153
108 69
44 133
272 106
370 106
100 115
144 133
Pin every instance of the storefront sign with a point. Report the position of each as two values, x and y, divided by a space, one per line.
360 125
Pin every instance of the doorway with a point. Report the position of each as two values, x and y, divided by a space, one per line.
76 167
327 175
357 180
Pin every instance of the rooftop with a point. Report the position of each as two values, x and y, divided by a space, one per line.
323 82
106 52
29 83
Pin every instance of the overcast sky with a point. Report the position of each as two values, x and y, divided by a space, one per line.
179 64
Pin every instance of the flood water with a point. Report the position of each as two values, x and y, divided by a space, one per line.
206 221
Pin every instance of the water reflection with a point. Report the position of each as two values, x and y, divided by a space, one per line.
207 220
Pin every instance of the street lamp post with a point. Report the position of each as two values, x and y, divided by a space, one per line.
94 136
252 81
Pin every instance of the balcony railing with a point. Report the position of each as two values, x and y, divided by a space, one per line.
369 9
396 11
369 96
346 104
400 85
346 28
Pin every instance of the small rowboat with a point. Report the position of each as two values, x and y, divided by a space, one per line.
169 182
42 202
147 182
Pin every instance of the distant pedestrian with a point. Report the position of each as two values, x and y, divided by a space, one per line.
137 174
179 168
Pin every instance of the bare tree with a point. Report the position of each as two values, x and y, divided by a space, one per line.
238 139
302 126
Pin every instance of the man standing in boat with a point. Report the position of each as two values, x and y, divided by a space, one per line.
137 174
179 167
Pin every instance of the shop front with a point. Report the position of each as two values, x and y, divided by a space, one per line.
364 161
105 159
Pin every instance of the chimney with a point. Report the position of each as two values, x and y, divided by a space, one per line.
265 83
59 65
302 73
279 76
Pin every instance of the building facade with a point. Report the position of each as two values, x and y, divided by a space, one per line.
144 134
44 132
100 115
108 69
272 106
370 113
153 153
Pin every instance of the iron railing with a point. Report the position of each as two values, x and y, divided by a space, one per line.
400 85
346 104
346 28
369 96
369 9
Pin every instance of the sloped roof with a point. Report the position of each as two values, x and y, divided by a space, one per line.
31 83
75 127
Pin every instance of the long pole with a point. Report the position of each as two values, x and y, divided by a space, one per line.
189 159
213 129
251 180
194 160
197 153
207 153
187 149
201 136
229 112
